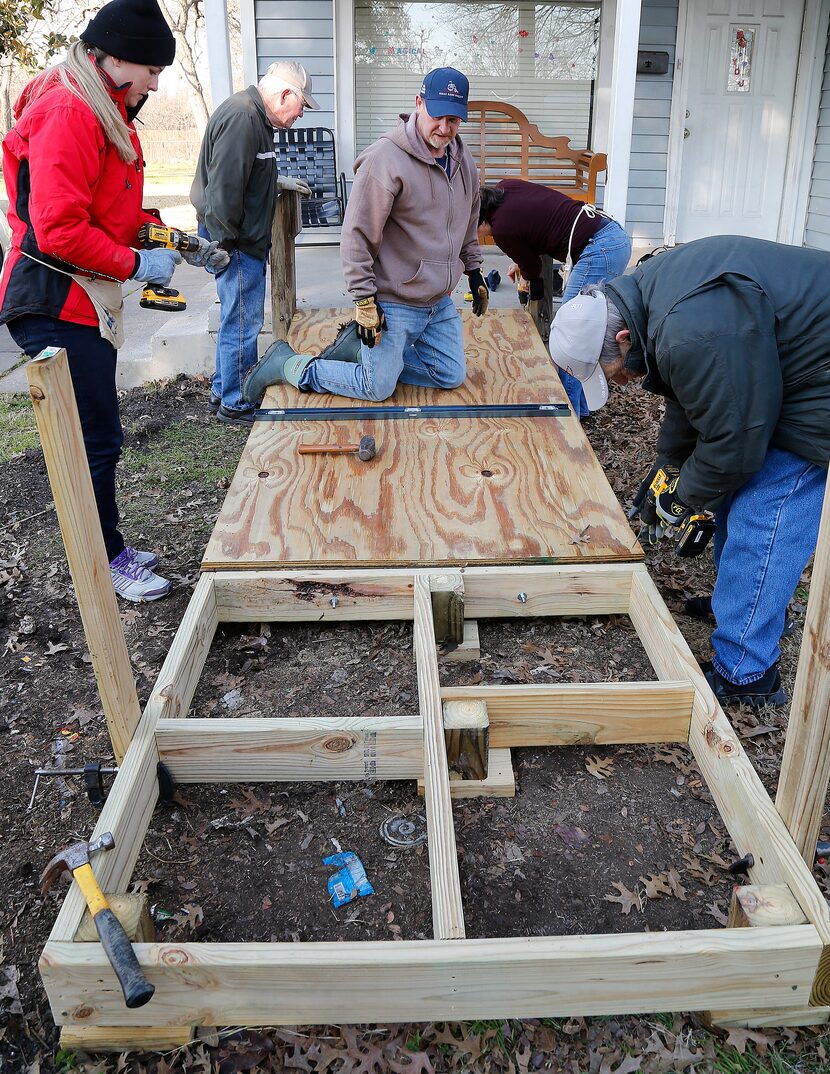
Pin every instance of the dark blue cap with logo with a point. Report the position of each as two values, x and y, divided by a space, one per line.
444 92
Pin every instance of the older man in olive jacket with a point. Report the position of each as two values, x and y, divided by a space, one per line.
735 334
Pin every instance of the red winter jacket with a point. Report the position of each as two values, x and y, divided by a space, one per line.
73 203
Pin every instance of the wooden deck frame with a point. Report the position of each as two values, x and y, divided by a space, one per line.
756 974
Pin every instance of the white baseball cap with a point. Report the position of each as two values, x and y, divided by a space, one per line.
296 76
575 344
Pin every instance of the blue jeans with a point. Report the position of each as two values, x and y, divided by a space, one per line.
421 345
92 368
241 291
766 533
605 256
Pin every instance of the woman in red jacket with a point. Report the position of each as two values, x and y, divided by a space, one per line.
74 176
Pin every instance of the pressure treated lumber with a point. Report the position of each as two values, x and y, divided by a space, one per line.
588 589
741 799
764 906
447 911
572 714
500 781
291 748
805 765
467 652
440 491
447 594
467 737
56 412
768 1019
421 980
124 1038
313 596
285 227
133 913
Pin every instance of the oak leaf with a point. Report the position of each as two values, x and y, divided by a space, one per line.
628 900
600 767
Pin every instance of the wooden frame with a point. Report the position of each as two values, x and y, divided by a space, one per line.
752 975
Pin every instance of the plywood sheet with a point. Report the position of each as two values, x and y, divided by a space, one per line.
440 491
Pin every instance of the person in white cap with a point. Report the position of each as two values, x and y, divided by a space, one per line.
735 334
235 193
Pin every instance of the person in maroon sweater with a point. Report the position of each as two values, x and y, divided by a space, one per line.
527 220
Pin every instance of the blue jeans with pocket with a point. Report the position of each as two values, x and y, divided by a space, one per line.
92 361
420 345
241 291
606 256
766 532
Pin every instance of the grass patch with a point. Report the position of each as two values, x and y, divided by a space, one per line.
18 430
185 454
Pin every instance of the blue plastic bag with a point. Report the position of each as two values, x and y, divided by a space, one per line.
350 881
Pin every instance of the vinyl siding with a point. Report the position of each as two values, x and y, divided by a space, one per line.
817 231
301 30
650 133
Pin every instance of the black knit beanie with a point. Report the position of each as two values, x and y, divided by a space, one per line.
132 30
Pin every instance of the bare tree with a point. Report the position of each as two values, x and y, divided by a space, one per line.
186 19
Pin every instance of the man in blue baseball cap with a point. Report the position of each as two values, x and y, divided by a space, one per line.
410 230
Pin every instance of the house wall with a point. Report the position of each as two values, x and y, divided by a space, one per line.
301 30
650 133
817 231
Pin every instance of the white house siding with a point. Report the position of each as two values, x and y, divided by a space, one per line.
650 134
817 232
301 30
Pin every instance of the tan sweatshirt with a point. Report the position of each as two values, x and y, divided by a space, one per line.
410 230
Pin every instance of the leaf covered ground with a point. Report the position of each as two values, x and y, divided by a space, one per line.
597 840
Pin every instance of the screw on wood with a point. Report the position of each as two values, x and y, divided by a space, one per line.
521 598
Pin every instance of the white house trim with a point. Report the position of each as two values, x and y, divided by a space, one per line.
605 68
247 26
621 119
806 104
344 84
218 50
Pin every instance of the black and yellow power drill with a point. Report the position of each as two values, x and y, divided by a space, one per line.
694 532
159 237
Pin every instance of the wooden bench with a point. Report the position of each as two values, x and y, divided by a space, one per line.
505 144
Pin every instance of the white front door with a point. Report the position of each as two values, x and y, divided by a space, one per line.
741 62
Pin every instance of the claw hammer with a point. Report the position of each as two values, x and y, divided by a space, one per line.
75 860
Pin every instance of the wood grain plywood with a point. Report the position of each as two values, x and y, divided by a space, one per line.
440 491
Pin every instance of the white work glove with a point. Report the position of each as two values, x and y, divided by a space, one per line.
156 266
208 255
287 182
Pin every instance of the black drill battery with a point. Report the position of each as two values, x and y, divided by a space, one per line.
695 534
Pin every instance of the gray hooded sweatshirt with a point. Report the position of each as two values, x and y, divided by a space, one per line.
410 230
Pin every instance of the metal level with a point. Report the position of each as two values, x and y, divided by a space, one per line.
397 413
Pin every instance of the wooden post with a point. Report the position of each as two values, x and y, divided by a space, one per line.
447 595
56 411
467 734
805 766
542 312
285 228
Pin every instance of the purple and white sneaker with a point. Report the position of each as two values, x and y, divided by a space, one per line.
134 582
147 559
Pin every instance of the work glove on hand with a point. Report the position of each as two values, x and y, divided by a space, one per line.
479 291
288 182
536 293
156 266
644 504
370 320
207 256
670 509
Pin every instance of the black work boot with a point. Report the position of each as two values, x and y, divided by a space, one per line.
764 691
701 608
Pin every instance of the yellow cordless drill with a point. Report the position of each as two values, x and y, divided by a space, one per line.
159 237
696 531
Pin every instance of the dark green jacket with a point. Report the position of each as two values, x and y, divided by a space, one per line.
234 190
735 333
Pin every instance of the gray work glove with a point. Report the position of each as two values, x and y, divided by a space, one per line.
287 182
208 255
156 266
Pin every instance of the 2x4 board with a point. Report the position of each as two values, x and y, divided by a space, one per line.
762 975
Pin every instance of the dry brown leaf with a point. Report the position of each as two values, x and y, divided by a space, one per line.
628 900
655 885
600 767
629 1064
249 803
677 888
191 914
739 1039
717 913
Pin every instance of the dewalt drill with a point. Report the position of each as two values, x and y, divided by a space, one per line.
159 237
696 531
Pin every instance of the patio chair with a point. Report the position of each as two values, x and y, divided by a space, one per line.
308 153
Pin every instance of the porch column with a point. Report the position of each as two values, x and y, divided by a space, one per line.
219 50
623 78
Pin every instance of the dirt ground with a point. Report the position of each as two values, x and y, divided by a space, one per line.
596 840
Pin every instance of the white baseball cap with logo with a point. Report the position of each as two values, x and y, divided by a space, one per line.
295 76
575 344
